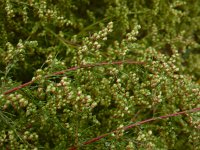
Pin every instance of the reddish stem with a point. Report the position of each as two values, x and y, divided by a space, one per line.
18 87
75 68
136 124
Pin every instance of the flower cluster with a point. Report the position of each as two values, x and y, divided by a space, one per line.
90 51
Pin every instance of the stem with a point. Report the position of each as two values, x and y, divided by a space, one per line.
72 69
136 124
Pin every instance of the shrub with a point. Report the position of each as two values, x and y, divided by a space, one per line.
127 61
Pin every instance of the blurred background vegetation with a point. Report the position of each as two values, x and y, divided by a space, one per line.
57 27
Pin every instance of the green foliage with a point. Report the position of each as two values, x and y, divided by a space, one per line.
134 60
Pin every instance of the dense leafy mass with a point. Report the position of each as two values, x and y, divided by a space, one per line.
129 60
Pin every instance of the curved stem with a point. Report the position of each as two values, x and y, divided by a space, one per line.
135 124
75 68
